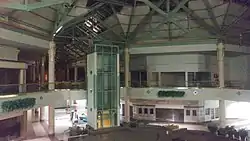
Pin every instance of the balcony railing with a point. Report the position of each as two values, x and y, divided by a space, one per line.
36 87
199 84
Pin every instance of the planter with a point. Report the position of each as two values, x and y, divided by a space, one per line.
18 104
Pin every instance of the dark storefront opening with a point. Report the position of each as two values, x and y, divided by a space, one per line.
172 115
10 128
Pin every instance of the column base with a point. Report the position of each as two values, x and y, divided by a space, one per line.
51 134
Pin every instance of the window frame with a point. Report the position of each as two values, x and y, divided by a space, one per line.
188 113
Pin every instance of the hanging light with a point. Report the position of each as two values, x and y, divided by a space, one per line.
88 23
95 30
59 29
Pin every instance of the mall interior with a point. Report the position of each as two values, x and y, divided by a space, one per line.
98 64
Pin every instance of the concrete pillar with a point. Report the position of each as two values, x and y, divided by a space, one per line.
149 78
33 115
186 79
22 81
23 124
51 120
75 73
67 73
43 69
51 61
220 58
127 85
41 112
34 73
159 79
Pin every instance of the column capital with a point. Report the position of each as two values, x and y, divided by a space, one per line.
220 45
52 44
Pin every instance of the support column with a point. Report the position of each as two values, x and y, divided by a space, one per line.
127 82
51 120
22 81
67 73
186 79
51 61
41 112
23 124
34 72
159 79
43 69
220 58
75 73
149 78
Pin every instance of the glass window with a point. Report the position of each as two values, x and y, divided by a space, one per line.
194 113
145 110
207 111
123 109
140 110
187 112
151 111
216 112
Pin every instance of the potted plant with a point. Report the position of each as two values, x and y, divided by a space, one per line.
213 128
243 134
231 132
222 132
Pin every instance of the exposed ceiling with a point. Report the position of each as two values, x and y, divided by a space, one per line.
77 23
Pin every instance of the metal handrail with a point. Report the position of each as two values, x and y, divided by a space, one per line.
202 84
36 87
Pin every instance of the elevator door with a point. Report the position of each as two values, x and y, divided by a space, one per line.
173 115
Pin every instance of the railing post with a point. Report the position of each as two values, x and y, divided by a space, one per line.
75 74
159 79
22 81
186 79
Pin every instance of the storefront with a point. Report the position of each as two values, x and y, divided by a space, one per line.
10 128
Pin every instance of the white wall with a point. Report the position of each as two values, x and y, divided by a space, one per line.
236 67
188 62
8 53
23 39
173 49
138 63
239 70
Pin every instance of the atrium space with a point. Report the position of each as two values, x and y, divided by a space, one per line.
111 69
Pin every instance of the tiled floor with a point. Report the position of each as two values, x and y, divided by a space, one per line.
38 131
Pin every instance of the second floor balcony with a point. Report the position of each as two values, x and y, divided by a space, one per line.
198 84
7 89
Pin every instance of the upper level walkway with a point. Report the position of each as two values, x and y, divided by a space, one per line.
37 95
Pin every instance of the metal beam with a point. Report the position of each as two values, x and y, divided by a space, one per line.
116 17
33 6
227 27
143 22
169 17
108 27
211 13
200 21
130 20
62 14
81 17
